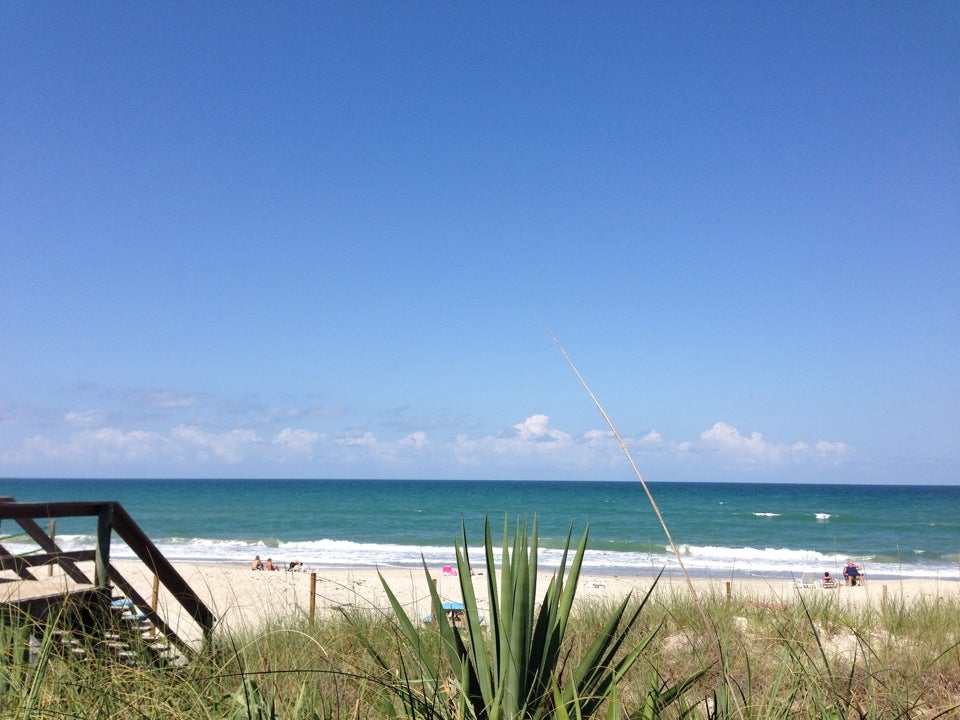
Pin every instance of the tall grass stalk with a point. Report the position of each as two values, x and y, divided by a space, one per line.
708 628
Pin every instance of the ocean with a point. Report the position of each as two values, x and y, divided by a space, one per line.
723 530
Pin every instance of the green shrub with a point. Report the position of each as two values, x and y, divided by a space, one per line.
517 667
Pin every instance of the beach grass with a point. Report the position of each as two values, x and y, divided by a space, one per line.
815 658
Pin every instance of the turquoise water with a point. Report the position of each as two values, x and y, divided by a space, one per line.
722 529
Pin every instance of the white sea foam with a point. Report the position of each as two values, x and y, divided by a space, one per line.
767 514
822 516
697 559
726 561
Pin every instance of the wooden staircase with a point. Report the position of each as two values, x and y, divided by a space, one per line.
105 617
126 638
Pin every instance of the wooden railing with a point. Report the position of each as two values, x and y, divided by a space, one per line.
112 519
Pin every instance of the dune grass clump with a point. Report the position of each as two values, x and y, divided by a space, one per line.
536 655
520 666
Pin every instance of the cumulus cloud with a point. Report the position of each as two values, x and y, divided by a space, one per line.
536 428
527 442
755 449
231 446
652 440
297 440
831 449
116 444
102 445
727 439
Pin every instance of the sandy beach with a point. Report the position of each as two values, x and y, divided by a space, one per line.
245 599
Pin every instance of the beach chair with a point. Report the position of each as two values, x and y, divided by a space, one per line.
455 614
807 580
448 570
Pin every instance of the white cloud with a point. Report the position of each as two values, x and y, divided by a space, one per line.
297 441
651 440
415 441
728 440
537 428
115 444
530 446
356 439
530 442
172 399
365 447
407 450
826 448
754 449
85 418
102 445
232 446
533 440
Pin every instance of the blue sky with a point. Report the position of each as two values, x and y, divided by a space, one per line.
326 240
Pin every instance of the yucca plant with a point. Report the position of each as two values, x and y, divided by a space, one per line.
515 669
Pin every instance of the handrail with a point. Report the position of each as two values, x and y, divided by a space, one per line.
69 557
46 543
141 604
138 541
17 563
112 518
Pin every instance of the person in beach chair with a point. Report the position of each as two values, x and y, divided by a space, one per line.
853 574
294 565
829 582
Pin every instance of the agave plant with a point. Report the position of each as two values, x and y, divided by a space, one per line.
514 669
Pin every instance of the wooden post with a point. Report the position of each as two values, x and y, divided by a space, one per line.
102 555
729 587
53 539
154 600
884 593
313 596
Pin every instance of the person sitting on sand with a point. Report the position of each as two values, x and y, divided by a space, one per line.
257 564
829 582
853 574
295 565
270 565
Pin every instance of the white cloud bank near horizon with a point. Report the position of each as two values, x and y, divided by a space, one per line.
526 447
